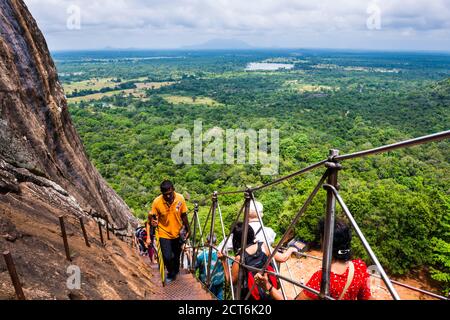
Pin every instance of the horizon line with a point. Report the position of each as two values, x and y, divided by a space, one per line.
254 49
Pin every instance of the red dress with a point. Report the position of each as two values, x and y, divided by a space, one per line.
358 290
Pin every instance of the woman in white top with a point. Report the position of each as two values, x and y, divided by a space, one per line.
256 226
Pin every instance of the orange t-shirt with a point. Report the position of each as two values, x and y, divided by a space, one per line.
169 216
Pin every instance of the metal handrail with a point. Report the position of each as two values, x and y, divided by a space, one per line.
292 175
431 294
225 193
333 166
404 144
254 269
305 255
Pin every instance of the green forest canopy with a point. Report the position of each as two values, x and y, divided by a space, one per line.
349 101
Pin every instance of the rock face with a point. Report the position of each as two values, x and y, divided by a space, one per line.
39 146
45 173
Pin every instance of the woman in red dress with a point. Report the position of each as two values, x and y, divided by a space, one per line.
349 279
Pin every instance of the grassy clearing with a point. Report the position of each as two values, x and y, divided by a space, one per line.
139 92
92 84
304 88
98 96
153 85
98 84
191 100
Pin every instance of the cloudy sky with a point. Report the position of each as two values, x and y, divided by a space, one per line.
353 24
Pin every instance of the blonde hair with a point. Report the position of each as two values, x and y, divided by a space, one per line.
253 210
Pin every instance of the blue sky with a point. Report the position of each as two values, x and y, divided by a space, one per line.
158 24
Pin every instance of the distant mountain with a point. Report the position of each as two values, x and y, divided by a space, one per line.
218 44
109 48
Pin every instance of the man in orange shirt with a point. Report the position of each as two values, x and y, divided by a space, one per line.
169 214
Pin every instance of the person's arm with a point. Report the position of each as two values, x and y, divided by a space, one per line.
263 282
276 294
185 220
235 269
303 296
271 235
148 229
153 215
224 261
281 257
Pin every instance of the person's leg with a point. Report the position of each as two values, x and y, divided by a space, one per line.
218 291
176 249
166 248
155 254
154 251
151 252
141 246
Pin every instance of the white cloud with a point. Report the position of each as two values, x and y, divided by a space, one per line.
159 23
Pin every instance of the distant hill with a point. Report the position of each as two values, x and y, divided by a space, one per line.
219 44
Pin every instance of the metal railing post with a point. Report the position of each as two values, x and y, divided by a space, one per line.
206 220
202 242
194 238
242 270
227 239
107 228
83 229
13 274
64 236
211 232
365 243
295 220
290 275
327 241
101 233
277 269
226 250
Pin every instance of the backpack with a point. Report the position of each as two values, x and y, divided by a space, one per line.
141 233
257 260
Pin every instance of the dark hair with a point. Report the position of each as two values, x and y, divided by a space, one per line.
166 186
342 242
237 236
